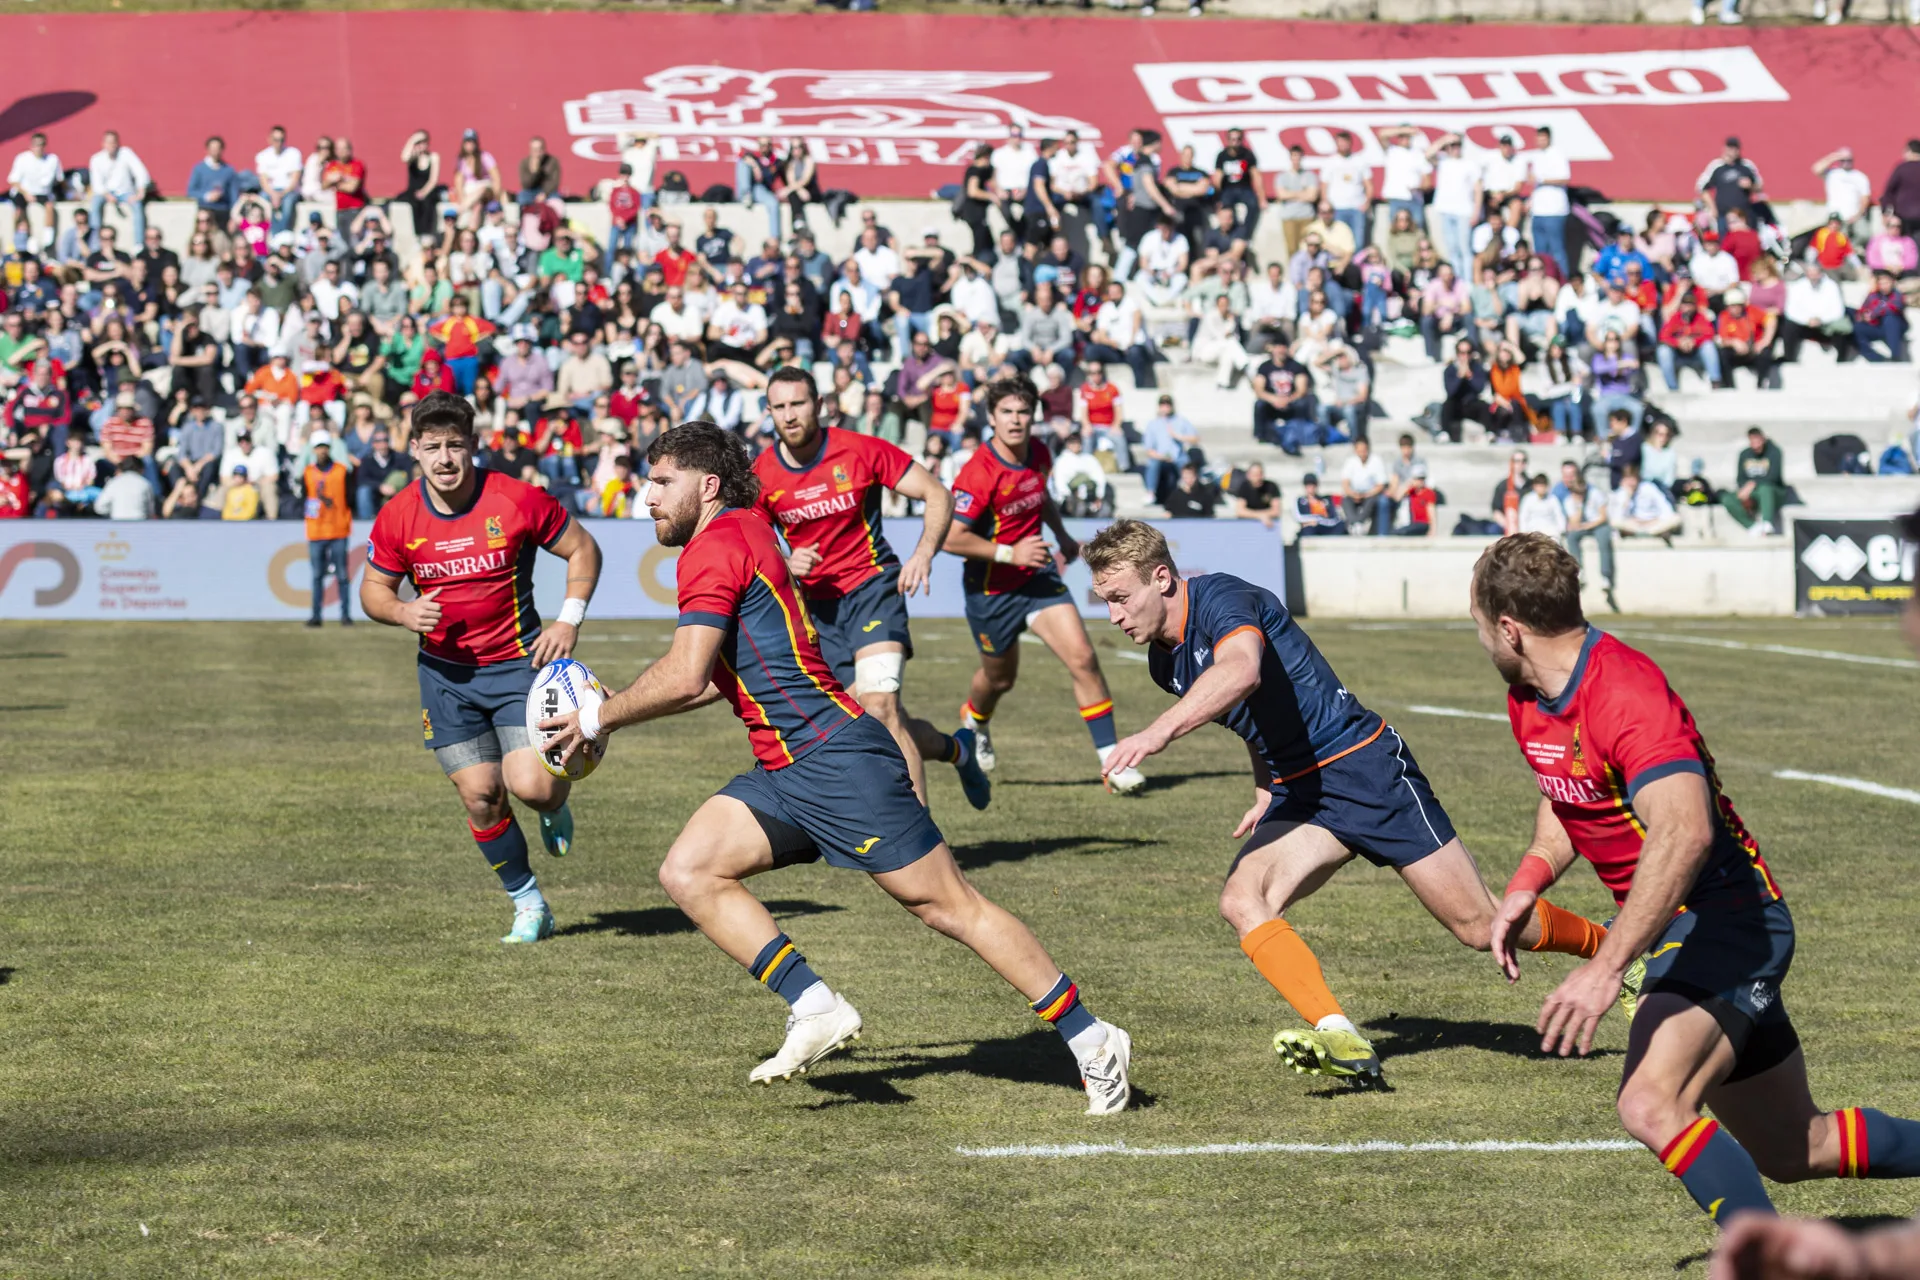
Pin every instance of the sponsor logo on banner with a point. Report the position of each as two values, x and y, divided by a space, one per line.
890 117
1306 102
44 597
1851 566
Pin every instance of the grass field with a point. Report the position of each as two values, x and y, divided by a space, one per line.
256 1022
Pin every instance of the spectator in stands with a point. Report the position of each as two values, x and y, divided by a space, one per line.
1256 497
1540 511
1613 368
1193 498
1444 307
1712 268
1297 190
1077 483
539 174
1902 192
1467 387
1760 485
34 181
1421 504
1730 182
1745 339
1119 333
1881 319
1659 458
213 183
476 180
129 495
1348 180
115 174
1548 205
257 461
1687 340
1349 389
1815 312
1283 394
1586 509
1849 191
1364 495
1641 510
1316 515
1892 249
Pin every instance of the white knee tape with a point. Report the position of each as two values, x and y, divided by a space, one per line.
879 673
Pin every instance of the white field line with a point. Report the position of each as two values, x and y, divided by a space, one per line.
1073 1150
1129 655
1791 651
1454 712
1850 784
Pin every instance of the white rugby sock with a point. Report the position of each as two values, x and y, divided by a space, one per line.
1089 1042
528 897
816 999
1336 1022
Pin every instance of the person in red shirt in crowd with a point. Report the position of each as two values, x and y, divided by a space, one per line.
1421 502
629 398
1644 293
466 537
842 324
346 177
432 376
39 402
948 401
1680 286
1745 339
623 210
1687 338
557 441
459 332
1742 242
127 433
16 502
674 260
1096 412
320 386
1832 246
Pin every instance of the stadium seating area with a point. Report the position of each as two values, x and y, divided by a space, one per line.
541 306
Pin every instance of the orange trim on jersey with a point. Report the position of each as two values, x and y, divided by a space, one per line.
1245 626
1180 627
1321 764
766 721
799 656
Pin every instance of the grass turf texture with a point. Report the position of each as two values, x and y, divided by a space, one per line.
253 997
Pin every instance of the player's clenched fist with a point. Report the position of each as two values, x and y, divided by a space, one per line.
421 614
1031 552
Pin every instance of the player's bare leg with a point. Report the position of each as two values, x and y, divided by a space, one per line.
483 793
992 679
1263 886
919 741
1447 882
1060 628
1774 1116
934 889
546 795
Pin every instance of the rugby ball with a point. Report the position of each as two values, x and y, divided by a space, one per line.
564 685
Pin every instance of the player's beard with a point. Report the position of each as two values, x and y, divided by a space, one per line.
675 528
1508 665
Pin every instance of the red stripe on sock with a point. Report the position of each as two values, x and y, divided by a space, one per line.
1680 1154
493 832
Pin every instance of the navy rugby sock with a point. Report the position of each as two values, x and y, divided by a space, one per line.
783 970
1874 1144
505 849
1716 1171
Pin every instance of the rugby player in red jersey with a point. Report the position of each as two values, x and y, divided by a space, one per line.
1703 937
1000 502
467 538
823 487
830 783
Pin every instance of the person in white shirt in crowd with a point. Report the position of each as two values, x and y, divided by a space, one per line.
973 296
1585 508
127 496
1637 509
279 168
1363 491
1348 181
1613 312
1713 268
1012 161
1405 169
984 349
1548 206
262 467
1075 469
34 181
738 327
1503 171
1217 341
331 287
722 404
1119 333
1540 511
1076 172
853 286
1457 192
1163 259
877 262
1815 312
675 318
1272 303
1849 193
116 175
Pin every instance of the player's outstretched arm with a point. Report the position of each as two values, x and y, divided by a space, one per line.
1050 516
380 600
1545 861
1028 553
1677 813
923 486
582 554
679 681
1262 793
1235 673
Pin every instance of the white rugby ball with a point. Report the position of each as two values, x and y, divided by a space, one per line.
564 685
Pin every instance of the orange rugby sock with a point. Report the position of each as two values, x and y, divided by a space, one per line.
1289 964
1565 932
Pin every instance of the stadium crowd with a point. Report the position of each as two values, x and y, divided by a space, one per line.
143 378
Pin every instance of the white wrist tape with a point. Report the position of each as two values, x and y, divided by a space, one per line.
590 723
573 612
1003 554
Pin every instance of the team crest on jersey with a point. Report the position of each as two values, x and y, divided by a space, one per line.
986 645
1577 762
496 537
841 480
426 724
963 503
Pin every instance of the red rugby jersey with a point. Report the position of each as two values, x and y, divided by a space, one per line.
1616 727
1001 501
733 577
833 503
481 559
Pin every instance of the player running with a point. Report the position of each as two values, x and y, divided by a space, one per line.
1331 779
1702 935
822 488
1000 501
467 538
831 782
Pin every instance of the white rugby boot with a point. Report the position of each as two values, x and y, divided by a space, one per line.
809 1040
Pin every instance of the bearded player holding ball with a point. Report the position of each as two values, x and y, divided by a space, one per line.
467 538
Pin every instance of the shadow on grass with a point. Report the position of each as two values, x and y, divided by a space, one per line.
35 706
660 922
20 657
987 852
1398 1037
6 975
1032 1057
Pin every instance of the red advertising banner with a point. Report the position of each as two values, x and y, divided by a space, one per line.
892 105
